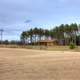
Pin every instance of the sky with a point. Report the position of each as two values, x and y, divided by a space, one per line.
20 15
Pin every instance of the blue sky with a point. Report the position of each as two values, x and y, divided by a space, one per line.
42 13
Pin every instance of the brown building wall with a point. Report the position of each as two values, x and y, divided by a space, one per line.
48 43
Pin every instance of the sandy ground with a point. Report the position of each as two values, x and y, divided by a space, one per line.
22 64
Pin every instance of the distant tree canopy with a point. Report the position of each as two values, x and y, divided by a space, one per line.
65 32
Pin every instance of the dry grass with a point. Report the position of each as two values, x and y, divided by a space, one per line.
63 48
48 48
23 64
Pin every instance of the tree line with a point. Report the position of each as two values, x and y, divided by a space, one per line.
64 33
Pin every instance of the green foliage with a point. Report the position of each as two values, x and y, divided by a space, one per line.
59 32
72 45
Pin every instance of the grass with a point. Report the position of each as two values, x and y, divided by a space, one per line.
63 48
26 64
49 48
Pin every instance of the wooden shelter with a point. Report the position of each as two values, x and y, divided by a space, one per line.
48 42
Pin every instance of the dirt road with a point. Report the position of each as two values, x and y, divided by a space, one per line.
23 64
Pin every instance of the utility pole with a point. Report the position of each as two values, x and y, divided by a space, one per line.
1 34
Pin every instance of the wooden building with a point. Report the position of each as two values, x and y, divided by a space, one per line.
48 42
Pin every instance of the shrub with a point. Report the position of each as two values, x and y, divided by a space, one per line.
72 45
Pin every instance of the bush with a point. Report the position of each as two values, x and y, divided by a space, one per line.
72 45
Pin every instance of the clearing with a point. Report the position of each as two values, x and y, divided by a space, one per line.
24 64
